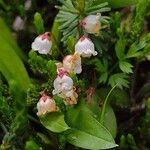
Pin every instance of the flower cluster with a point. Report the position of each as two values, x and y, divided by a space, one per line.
63 84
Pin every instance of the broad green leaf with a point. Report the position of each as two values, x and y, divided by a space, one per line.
109 113
11 66
31 145
38 22
15 73
86 128
87 141
54 122
125 66
7 36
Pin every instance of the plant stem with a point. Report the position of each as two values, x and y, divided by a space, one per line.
104 106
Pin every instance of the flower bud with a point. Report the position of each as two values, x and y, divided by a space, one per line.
85 47
42 43
46 105
91 24
72 63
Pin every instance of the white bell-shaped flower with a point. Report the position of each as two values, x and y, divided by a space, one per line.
72 63
85 47
91 24
62 83
46 105
42 43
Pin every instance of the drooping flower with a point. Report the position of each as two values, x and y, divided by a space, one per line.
72 63
91 24
62 83
42 43
70 97
63 87
85 47
46 105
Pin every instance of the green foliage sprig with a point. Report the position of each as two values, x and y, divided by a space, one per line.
71 13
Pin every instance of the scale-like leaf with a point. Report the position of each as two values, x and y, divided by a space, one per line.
39 23
120 47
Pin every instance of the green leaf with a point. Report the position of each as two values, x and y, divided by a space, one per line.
54 122
7 36
125 66
133 51
86 128
51 69
121 79
37 63
31 145
71 41
103 78
11 66
137 27
117 3
56 38
100 65
87 141
109 114
38 22
88 9
16 75
120 45
3 5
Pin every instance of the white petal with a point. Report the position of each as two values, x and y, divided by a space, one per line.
72 63
92 24
67 83
85 47
57 85
46 105
43 46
